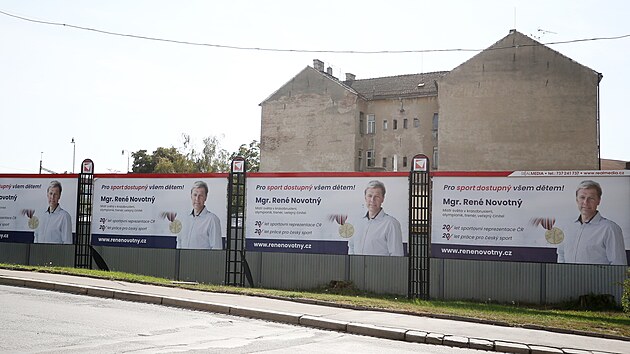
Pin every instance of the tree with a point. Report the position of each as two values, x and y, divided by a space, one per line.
211 158
251 153
142 162
163 160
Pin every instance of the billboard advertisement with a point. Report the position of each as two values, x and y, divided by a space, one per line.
38 208
332 213
532 216
160 211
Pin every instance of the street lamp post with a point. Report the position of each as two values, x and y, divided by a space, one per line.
123 152
74 150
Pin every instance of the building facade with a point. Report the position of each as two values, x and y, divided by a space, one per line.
517 105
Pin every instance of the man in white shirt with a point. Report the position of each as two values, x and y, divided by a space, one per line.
592 239
201 229
377 233
55 225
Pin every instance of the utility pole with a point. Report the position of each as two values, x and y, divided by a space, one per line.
74 150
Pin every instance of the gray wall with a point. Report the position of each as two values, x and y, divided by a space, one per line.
537 283
519 108
505 282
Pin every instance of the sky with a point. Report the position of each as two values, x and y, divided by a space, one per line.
118 94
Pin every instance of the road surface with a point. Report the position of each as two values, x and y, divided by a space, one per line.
42 321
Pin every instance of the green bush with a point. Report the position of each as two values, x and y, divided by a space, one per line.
597 302
625 297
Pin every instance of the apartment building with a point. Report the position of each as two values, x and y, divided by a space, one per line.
517 105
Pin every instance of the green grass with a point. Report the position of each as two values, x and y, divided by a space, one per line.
565 316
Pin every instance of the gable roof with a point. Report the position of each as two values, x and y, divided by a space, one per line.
607 164
417 85
411 85
311 69
520 40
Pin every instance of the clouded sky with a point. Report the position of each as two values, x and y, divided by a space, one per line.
113 93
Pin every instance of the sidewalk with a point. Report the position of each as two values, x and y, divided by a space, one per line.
371 323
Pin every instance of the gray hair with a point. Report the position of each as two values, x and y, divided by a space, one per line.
199 184
375 184
588 184
54 184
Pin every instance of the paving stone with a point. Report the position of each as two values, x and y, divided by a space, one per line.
70 288
455 341
196 305
508 347
538 349
575 351
376 331
137 297
482 344
416 336
268 315
435 338
321 322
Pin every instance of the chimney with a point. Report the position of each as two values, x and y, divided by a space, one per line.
329 71
350 78
318 65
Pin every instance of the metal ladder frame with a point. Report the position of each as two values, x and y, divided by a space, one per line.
419 229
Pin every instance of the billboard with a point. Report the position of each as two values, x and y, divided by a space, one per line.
160 211
531 216
30 211
328 213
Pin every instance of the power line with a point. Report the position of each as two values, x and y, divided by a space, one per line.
223 46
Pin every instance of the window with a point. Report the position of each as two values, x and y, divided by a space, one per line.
371 124
435 126
405 123
416 122
384 162
361 121
404 161
360 162
395 124
385 124
435 157
369 156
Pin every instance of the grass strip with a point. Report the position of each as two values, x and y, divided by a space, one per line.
567 316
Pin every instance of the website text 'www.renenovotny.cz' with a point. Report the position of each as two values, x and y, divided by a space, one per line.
474 252
137 241
287 245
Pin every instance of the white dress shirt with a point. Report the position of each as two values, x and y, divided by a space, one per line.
599 241
201 231
55 227
380 236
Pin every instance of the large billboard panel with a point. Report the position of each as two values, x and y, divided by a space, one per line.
160 211
328 213
532 216
38 208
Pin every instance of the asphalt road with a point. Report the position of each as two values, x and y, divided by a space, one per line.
39 321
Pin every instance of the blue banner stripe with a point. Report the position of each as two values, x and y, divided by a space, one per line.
148 241
16 236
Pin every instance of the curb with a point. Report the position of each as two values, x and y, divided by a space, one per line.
451 317
295 319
